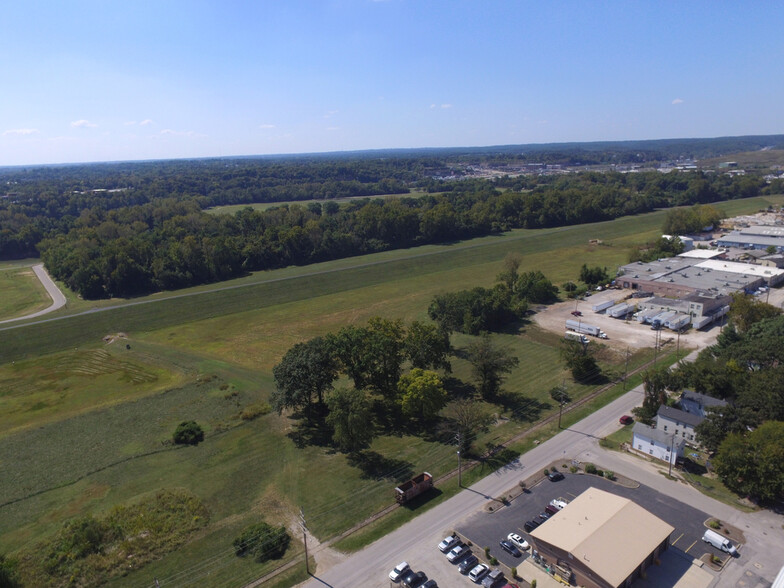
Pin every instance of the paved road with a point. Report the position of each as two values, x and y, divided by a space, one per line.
760 556
58 298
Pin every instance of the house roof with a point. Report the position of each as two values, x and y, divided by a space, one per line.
676 414
602 531
702 399
651 434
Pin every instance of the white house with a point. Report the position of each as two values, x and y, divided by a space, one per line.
658 444
678 422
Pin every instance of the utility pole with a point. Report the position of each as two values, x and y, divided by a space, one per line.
304 537
625 369
672 449
561 402
459 465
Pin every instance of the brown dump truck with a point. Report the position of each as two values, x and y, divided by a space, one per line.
414 487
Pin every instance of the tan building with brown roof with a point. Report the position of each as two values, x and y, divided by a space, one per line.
605 540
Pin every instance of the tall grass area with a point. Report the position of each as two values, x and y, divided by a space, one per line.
95 419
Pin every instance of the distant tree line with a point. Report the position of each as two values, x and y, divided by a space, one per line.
152 234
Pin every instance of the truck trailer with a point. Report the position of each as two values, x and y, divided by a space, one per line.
603 305
677 322
585 328
414 487
572 336
619 310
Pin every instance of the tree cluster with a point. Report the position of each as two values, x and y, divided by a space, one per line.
492 309
262 542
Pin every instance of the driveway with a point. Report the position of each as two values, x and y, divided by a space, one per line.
58 298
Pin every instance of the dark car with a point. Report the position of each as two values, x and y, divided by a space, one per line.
544 515
430 584
413 579
555 476
551 510
530 526
467 564
509 547
577 313
626 420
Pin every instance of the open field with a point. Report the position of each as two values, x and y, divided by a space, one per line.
233 208
749 159
95 418
21 292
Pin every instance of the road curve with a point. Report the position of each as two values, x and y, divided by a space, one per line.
58 298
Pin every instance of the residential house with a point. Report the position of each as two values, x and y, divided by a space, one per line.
655 443
680 423
696 403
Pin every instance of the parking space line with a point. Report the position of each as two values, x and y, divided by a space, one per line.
674 542
572 495
692 545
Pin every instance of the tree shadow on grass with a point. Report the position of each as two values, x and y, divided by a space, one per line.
310 428
375 466
522 408
457 388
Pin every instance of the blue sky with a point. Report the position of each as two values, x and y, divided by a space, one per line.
116 80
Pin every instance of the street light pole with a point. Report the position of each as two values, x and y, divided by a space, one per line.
459 464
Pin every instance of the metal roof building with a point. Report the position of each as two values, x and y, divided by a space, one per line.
599 537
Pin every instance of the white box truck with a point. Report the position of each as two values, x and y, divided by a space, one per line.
719 542
572 336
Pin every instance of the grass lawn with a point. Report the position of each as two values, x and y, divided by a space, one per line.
96 419
21 292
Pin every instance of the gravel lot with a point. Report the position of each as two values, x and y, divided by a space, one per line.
622 334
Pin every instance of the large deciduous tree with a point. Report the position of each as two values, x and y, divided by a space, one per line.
351 418
753 465
422 394
307 371
428 347
489 365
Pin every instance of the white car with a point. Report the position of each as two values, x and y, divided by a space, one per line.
457 552
518 541
399 570
448 543
478 573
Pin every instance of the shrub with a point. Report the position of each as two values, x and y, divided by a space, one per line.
609 475
493 561
546 471
262 542
599 473
254 411
533 583
573 469
188 433
590 468
487 552
715 524
513 571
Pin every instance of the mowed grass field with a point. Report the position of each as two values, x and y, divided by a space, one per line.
87 424
21 292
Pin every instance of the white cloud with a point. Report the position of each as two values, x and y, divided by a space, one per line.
266 126
145 122
129 123
83 124
440 106
333 128
20 132
446 106
677 101
173 133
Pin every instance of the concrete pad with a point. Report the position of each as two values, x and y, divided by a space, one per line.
528 571
677 570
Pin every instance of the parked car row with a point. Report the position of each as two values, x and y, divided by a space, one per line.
469 565
407 577
554 507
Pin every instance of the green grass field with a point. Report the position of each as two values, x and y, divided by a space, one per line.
96 418
21 292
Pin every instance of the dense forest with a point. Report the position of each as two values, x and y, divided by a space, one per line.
126 229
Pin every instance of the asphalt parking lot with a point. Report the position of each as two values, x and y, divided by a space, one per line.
485 529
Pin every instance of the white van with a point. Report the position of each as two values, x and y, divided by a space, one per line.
719 542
